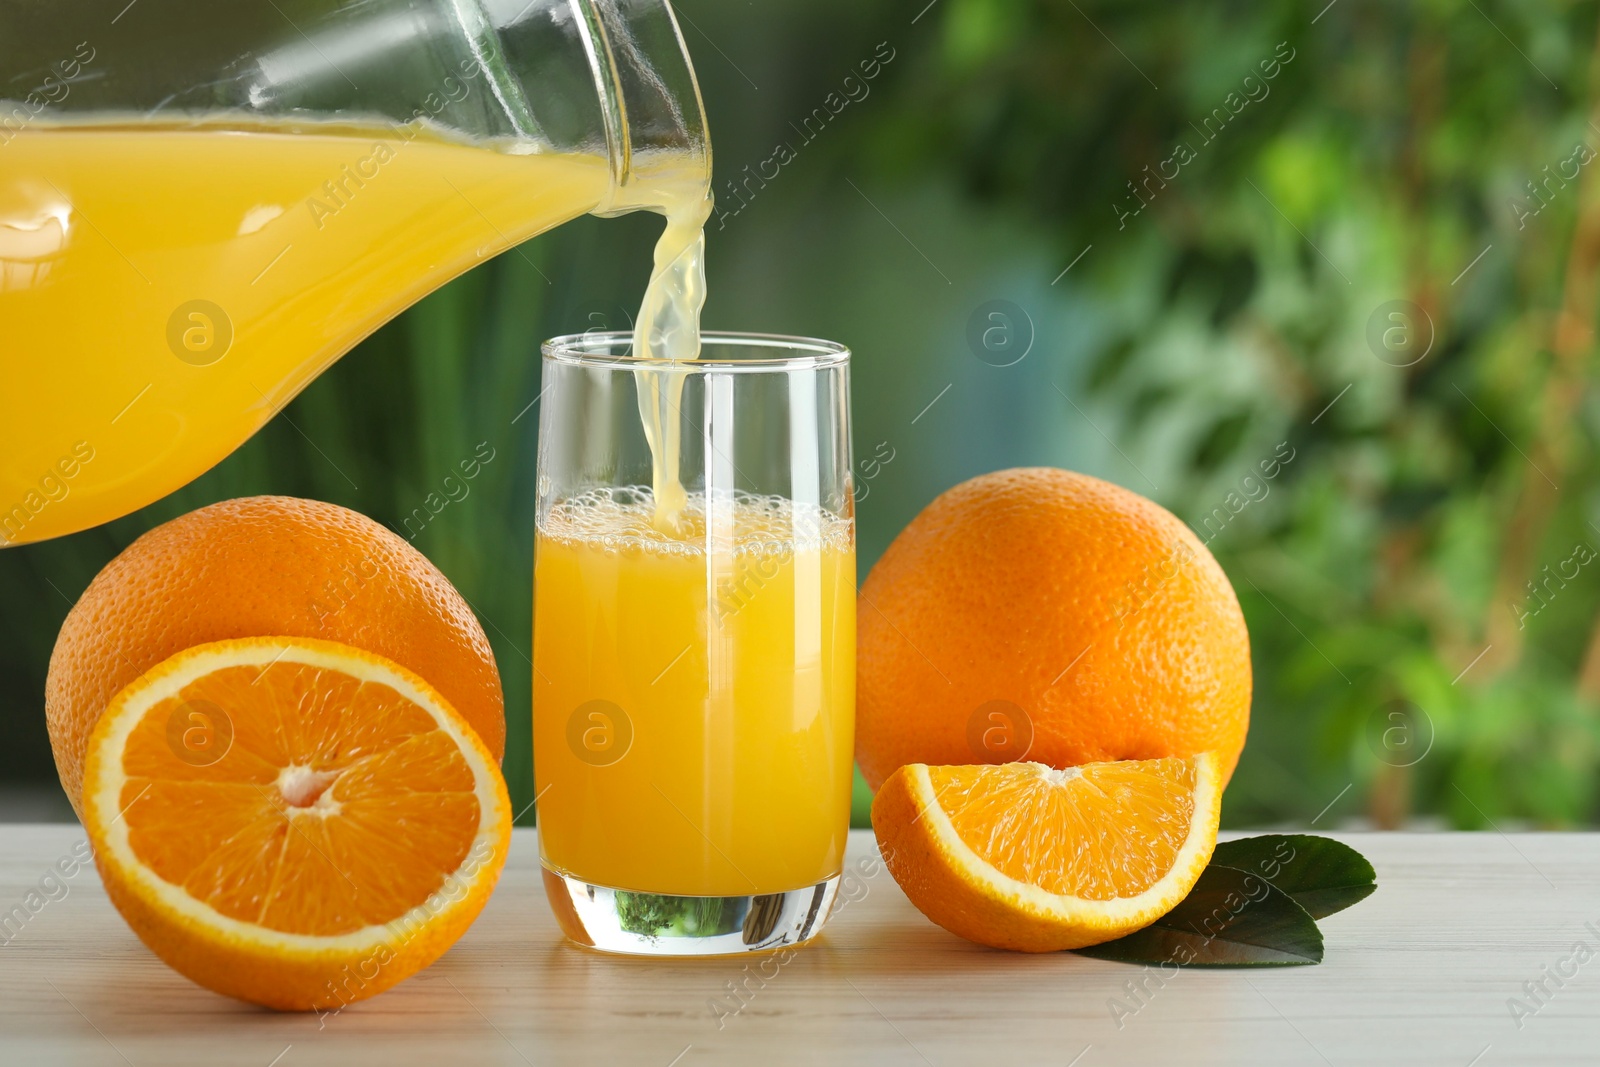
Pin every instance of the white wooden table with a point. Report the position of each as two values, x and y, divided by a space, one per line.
1420 972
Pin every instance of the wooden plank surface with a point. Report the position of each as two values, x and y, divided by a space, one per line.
1419 973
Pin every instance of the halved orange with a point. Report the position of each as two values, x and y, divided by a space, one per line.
1023 856
293 822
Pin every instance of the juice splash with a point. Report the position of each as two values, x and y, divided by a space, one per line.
166 290
726 677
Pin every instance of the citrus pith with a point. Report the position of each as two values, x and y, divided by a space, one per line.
293 822
1025 857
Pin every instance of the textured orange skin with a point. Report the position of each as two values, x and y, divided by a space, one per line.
993 590
257 567
920 863
915 857
324 981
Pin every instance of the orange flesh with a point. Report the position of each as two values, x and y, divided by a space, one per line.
1100 831
378 812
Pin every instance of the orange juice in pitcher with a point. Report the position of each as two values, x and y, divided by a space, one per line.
201 210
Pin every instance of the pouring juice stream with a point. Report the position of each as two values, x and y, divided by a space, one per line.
668 330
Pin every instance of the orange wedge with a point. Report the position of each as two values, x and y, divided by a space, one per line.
293 822
1024 857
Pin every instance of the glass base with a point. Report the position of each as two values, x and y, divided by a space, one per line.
656 924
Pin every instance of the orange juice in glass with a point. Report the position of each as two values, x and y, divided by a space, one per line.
694 643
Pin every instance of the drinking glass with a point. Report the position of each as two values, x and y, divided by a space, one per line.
694 642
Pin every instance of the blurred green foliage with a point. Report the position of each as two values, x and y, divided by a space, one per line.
1371 236
1228 304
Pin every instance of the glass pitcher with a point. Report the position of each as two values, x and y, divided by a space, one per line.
204 205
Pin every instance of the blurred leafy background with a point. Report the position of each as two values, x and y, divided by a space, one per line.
1376 253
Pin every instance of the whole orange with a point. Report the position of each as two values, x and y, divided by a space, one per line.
1045 615
264 566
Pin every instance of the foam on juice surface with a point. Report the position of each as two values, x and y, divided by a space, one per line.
741 524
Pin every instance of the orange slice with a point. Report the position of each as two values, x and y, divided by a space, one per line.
293 822
1024 857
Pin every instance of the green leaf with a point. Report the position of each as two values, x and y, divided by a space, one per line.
1321 874
1229 919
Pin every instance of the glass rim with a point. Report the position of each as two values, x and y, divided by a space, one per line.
614 348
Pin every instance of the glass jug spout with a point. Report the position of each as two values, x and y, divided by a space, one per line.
203 205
